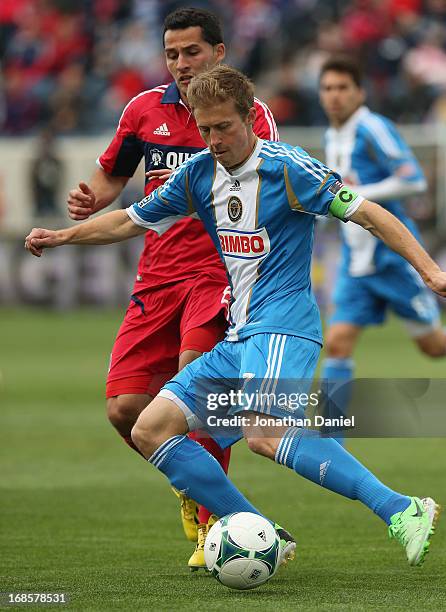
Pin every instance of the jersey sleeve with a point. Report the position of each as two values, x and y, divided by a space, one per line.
315 189
166 205
123 154
265 126
390 151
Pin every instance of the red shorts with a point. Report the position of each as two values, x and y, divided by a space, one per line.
159 325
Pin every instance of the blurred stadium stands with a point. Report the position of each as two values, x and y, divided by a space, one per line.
73 64
68 67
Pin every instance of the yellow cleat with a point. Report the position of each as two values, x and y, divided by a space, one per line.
197 561
212 520
189 515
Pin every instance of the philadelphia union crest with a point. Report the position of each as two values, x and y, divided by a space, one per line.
235 208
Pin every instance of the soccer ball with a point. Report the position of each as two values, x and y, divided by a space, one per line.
242 550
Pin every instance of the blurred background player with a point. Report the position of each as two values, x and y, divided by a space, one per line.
371 156
178 303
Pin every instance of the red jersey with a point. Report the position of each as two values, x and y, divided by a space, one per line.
158 125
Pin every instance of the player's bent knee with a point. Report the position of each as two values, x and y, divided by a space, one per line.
161 420
340 341
433 345
261 446
434 351
123 410
146 438
335 346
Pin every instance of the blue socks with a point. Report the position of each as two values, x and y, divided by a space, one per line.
195 472
192 470
338 373
327 463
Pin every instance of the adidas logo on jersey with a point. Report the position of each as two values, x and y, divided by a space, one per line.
235 186
162 130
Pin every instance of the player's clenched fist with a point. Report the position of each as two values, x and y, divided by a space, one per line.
81 202
39 239
437 282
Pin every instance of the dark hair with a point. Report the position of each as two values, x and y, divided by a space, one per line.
346 64
219 84
191 17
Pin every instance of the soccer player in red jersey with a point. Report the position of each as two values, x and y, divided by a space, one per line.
176 311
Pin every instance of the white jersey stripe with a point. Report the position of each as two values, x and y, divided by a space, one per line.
278 149
306 163
274 135
295 160
307 160
293 152
243 271
382 135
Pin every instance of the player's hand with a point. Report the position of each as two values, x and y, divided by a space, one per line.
437 282
160 175
39 239
226 301
81 202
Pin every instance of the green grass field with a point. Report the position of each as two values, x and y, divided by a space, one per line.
80 513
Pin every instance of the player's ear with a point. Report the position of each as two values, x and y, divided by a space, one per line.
252 114
220 52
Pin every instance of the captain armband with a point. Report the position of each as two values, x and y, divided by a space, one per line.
345 202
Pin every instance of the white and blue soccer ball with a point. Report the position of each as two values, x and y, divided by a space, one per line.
242 550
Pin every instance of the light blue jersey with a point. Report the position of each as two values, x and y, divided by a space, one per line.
261 219
366 150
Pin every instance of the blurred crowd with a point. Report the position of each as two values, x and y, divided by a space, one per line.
71 65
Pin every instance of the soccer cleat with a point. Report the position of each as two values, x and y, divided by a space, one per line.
287 545
189 515
414 526
197 561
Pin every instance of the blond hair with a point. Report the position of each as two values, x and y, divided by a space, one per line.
220 84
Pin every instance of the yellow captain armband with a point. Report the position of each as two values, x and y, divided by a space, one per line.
344 196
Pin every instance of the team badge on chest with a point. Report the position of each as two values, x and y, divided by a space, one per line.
235 209
157 157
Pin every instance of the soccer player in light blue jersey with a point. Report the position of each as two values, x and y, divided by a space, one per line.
258 200
372 157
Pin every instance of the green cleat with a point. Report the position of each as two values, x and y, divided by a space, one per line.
414 526
287 545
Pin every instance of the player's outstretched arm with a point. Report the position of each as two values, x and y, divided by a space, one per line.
382 224
115 226
391 188
87 199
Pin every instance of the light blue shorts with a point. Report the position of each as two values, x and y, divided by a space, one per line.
266 373
364 300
